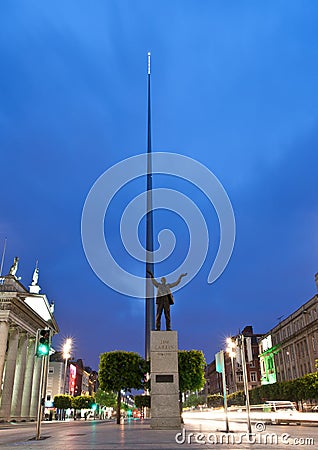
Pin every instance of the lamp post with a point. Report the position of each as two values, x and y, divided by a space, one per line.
220 368
230 349
241 345
66 355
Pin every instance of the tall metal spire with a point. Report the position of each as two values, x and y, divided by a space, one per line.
149 230
3 255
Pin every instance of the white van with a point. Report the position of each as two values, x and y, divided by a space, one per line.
279 405
281 411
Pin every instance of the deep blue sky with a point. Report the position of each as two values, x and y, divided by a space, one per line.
234 86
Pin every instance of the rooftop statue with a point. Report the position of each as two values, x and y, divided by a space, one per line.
14 267
35 277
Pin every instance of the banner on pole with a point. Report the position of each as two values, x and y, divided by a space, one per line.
219 361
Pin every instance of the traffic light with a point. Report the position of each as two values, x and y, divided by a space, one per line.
43 343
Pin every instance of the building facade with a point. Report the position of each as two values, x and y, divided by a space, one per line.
293 348
22 313
69 377
93 381
55 381
233 367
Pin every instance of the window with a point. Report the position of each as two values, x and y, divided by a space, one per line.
240 377
253 376
292 353
51 370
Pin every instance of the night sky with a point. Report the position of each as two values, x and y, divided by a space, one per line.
234 86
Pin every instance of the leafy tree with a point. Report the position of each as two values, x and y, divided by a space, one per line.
214 400
124 406
62 401
120 370
82 402
105 398
194 400
191 371
310 385
236 398
142 401
300 389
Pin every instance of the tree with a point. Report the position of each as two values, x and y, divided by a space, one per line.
82 402
62 401
119 370
236 398
194 400
299 389
105 398
142 401
191 371
214 400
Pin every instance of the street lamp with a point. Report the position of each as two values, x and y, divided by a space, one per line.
230 350
66 355
241 345
232 347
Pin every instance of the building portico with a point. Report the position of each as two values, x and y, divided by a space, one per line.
22 313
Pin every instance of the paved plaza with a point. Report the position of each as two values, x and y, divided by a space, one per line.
137 435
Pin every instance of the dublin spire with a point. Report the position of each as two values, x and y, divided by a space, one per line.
149 228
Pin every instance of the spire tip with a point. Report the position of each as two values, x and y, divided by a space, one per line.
149 55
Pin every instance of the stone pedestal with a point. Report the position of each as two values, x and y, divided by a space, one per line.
165 412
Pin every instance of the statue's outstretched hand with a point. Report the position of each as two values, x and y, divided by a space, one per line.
184 274
150 273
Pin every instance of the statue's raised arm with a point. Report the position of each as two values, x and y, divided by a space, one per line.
178 280
154 281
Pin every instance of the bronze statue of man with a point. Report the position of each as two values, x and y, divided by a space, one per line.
164 299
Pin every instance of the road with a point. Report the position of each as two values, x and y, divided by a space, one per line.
198 432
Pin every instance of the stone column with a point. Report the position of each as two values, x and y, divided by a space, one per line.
9 375
19 377
28 380
35 388
4 330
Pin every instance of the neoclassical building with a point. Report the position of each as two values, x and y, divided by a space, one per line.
22 312
290 349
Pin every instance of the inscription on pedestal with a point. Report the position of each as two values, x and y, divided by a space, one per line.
164 378
165 344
